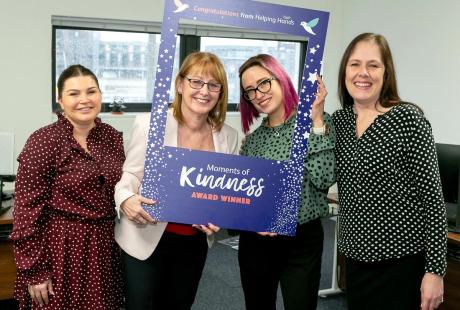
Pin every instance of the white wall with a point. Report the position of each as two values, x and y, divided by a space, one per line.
425 40
421 33
25 54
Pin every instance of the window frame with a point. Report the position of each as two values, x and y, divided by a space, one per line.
130 106
190 37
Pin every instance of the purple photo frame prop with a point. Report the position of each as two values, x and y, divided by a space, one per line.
231 191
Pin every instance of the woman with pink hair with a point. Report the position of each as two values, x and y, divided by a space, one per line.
267 259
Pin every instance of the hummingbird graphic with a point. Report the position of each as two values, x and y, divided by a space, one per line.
310 25
180 6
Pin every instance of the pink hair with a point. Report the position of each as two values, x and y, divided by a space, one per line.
247 110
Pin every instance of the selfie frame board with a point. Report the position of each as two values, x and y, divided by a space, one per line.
230 191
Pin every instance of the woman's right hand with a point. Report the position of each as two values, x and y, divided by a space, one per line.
317 107
133 210
39 292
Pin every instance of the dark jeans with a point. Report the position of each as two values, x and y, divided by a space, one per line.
293 262
169 278
393 284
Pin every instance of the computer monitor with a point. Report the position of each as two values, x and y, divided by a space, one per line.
449 168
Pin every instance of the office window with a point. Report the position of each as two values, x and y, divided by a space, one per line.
124 62
233 52
123 54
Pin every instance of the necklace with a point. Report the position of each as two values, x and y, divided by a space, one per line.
275 129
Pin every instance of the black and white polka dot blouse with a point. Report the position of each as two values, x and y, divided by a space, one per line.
391 202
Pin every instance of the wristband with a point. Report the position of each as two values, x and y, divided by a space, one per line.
319 130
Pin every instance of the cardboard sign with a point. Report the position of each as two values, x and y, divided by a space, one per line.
231 191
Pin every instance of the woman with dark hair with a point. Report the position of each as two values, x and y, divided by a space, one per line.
266 259
167 259
392 216
64 212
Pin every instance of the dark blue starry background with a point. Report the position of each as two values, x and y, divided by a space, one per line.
276 209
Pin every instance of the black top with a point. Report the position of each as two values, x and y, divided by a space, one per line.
390 195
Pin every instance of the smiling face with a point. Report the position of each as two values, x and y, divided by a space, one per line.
80 100
271 102
197 101
364 73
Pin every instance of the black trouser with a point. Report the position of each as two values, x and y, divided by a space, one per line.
169 278
393 284
293 262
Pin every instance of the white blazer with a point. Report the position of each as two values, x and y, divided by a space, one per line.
141 240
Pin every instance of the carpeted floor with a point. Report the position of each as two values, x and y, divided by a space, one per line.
220 286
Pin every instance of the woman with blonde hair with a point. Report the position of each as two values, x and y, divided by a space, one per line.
167 259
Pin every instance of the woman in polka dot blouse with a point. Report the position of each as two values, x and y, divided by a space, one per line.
164 261
392 215
267 259
64 212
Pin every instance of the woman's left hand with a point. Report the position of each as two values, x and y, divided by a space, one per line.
432 290
317 108
40 293
207 229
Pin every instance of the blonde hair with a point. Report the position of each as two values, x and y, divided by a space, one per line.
203 63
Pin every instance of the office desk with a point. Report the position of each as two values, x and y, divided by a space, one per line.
452 279
7 266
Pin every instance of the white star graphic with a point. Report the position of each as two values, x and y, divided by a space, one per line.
312 77
312 50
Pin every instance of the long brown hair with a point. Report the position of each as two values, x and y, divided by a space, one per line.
389 94
74 71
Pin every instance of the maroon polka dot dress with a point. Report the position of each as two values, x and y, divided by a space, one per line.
64 217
